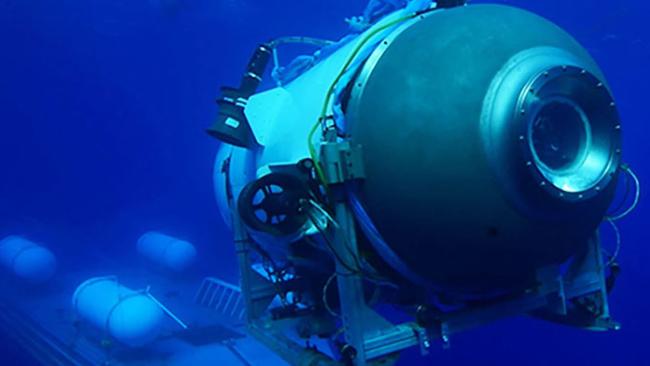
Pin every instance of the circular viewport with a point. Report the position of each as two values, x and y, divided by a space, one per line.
560 138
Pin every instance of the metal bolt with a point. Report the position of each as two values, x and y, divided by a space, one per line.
612 104
581 196
617 127
583 72
564 68
542 184
529 163
599 85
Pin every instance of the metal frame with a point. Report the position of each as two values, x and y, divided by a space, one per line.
369 336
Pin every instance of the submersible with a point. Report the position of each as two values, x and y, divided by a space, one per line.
452 161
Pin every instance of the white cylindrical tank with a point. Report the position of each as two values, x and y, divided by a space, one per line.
130 317
168 251
26 259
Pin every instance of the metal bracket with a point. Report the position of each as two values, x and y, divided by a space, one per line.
342 161
552 284
584 282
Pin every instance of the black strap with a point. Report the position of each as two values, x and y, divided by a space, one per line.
450 3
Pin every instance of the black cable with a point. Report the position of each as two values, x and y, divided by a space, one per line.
359 271
315 245
450 3
274 271
346 240
330 246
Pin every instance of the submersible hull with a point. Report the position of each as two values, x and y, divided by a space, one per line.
490 139
458 182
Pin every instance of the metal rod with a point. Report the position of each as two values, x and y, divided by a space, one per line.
167 311
353 305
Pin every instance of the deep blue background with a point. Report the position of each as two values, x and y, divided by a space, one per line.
103 105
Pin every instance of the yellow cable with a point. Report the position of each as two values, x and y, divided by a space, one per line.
312 149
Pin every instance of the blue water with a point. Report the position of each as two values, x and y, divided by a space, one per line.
103 104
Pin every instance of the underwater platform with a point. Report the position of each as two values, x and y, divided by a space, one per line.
42 320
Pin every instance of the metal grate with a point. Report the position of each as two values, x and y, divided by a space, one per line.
222 297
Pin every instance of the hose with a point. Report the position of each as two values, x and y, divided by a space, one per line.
637 195
321 120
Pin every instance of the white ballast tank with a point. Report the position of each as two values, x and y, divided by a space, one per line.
130 317
170 252
27 260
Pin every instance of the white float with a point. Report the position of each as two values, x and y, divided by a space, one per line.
27 260
170 252
133 318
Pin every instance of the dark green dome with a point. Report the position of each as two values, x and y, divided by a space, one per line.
491 146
